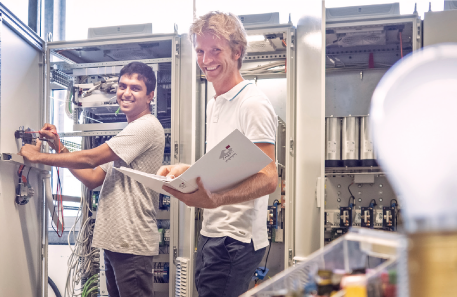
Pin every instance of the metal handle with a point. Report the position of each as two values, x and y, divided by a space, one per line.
176 150
318 192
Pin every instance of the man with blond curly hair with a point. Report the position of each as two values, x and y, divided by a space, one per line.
234 234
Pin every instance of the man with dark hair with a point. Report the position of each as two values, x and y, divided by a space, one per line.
126 225
144 73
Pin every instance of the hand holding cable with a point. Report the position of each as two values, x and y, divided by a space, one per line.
50 132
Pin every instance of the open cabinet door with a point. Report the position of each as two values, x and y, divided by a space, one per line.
191 123
21 104
309 144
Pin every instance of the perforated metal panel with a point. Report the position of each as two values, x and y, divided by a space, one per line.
182 286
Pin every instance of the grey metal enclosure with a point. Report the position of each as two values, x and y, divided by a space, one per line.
22 250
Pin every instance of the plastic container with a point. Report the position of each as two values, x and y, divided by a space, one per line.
360 248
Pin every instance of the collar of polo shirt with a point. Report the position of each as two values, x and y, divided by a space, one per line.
230 95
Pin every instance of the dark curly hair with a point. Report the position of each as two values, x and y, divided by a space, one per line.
144 72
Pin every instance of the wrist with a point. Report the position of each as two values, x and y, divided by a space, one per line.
63 149
218 198
60 148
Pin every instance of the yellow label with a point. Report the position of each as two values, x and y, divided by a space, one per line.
356 291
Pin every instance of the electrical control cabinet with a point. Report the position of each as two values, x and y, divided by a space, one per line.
438 23
21 104
73 84
89 70
269 64
359 51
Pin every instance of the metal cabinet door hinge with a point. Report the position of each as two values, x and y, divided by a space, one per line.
176 150
291 146
175 254
290 254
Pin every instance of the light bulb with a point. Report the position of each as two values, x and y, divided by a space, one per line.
413 117
414 125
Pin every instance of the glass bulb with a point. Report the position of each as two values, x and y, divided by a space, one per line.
414 124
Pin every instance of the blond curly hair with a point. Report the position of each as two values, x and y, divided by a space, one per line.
222 25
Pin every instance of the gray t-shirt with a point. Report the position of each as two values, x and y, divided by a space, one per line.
126 218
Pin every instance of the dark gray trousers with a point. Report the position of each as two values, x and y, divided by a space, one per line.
128 275
225 266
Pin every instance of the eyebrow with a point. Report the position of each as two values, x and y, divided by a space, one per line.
132 85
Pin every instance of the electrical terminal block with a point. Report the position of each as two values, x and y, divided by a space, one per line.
273 215
25 136
378 219
367 218
356 222
166 236
164 202
161 237
345 217
388 215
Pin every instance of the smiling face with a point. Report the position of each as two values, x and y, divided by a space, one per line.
132 97
218 61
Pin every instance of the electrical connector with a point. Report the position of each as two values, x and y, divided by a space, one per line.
260 273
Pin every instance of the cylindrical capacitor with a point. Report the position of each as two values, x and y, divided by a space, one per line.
333 142
350 141
367 154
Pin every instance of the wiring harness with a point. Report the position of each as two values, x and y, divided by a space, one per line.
270 68
84 261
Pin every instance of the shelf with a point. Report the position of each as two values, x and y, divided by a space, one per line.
101 109
265 76
347 168
259 76
95 52
19 160
353 170
265 56
56 86
100 126
162 258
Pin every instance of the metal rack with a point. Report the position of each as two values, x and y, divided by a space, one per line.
95 58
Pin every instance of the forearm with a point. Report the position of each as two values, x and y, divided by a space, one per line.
256 186
85 176
75 160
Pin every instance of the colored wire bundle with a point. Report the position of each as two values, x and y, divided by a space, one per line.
58 199
84 260
87 289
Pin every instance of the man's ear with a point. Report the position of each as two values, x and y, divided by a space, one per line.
150 96
236 53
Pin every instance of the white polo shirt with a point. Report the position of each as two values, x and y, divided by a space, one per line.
247 109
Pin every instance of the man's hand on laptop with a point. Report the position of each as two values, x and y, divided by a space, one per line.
201 198
172 171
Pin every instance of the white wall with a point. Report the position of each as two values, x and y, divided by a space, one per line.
57 266
296 8
20 8
84 14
